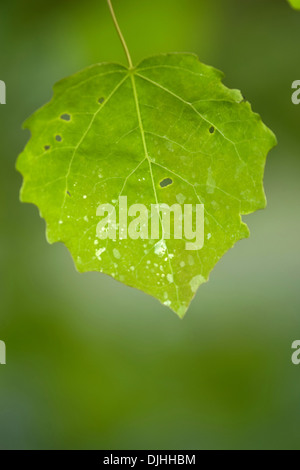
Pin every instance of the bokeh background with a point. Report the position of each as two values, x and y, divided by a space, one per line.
92 364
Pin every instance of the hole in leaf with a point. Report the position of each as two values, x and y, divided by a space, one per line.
166 182
58 138
101 100
212 130
65 117
47 147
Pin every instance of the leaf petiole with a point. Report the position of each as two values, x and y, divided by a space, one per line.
120 34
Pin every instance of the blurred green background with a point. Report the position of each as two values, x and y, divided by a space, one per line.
92 364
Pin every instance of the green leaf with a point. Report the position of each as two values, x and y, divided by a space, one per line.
295 4
111 131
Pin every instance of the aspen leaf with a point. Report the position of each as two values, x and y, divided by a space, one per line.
167 131
295 4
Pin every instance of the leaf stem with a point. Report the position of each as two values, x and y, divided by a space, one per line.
120 34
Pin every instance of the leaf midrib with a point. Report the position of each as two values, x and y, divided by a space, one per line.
142 131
